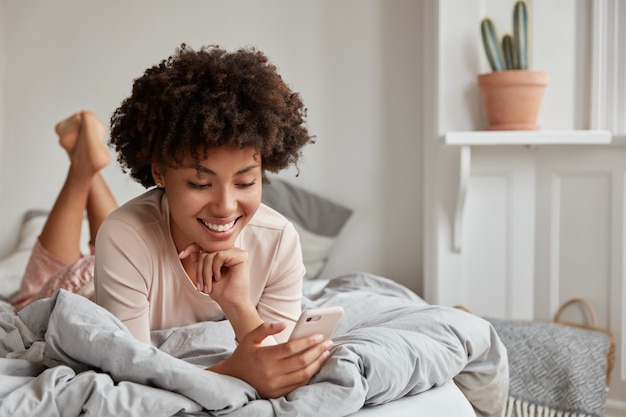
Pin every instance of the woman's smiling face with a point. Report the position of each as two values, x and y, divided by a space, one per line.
212 201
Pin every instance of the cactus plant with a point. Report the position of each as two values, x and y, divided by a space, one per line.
492 47
520 34
510 58
513 54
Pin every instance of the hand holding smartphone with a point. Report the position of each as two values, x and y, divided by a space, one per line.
317 320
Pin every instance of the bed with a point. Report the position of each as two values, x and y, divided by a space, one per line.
394 354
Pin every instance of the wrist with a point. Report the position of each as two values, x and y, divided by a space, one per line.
243 319
220 367
239 311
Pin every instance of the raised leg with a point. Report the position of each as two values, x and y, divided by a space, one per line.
100 203
81 135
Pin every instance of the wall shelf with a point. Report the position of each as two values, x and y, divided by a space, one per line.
529 137
506 138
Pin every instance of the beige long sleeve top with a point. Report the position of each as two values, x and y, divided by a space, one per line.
139 278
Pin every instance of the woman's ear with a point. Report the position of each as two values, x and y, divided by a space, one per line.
157 176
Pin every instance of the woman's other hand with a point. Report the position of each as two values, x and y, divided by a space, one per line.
225 275
275 370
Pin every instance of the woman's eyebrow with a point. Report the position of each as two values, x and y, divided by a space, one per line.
205 170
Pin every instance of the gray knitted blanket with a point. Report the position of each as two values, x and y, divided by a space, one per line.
555 370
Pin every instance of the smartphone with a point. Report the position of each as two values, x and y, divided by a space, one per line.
317 320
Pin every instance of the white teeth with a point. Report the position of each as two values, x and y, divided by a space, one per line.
219 227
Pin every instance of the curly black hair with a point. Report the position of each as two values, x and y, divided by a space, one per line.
197 100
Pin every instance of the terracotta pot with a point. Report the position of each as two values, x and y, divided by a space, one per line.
512 98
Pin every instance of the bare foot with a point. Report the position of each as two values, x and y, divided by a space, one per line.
68 130
99 128
89 154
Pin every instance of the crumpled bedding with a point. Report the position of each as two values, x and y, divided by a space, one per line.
66 356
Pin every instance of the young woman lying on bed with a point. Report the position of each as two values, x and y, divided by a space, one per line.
200 130
203 127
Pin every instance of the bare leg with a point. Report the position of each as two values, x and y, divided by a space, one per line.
100 203
81 135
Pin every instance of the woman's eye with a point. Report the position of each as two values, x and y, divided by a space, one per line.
246 184
197 185
201 186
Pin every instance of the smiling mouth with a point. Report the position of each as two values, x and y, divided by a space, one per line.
219 227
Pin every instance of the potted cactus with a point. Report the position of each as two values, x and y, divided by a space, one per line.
512 92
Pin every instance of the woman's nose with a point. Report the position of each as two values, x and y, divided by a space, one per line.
224 202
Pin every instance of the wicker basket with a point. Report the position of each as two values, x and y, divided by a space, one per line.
588 308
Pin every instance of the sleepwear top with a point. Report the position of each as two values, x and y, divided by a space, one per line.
140 279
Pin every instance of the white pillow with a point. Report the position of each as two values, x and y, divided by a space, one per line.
11 271
32 224
315 250
12 266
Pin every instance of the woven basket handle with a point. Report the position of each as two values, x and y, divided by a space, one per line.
586 305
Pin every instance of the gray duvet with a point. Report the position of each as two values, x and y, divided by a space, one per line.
66 356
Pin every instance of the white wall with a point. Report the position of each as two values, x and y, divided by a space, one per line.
455 56
355 62
3 82
541 223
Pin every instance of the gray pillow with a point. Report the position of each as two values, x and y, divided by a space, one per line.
318 220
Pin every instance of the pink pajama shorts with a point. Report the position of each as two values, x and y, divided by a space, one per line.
45 273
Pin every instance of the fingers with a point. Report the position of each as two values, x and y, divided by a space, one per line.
307 350
204 272
304 364
276 370
197 256
264 330
192 251
213 267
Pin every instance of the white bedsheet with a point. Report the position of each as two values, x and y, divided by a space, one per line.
446 400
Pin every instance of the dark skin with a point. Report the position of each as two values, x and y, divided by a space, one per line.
226 188
278 369
286 366
181 112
